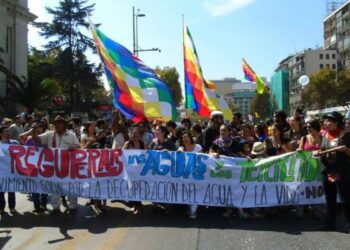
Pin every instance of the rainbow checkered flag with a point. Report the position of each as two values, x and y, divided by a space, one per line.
139 94
200 94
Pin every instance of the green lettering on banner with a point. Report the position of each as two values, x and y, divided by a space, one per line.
266 170
300 166
284 177
310 168
245 168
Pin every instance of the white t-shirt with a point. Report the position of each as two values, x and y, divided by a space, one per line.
197 148
118 141
66 141
147 138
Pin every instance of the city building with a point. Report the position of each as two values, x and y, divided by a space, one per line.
15 17
279 87
307 62
225 86
238 92
336 29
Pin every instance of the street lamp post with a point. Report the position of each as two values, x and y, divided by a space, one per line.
135 30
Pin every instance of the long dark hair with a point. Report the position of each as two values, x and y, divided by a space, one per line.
280 128
164 130
86 127
186 133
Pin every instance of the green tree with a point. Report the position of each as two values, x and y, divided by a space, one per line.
322 90
170 77
72 69
261 105
31 92
342 86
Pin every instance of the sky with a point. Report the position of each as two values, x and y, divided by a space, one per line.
264 32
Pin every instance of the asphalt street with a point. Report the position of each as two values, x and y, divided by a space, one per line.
119 228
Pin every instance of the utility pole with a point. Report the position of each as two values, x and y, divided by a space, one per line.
135 32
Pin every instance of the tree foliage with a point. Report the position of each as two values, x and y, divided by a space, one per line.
327 88
76 76
321 90
68 18
170 76
261 105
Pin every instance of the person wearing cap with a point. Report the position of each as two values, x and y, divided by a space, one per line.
17 128
7 122
336 176
258 150
213 131
60 137
11 197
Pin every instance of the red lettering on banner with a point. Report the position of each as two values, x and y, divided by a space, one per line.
16 152
115 154
61 165
80 164
94 155
77 163
31 169
46 170
103 165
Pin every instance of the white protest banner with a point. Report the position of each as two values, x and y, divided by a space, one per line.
162 176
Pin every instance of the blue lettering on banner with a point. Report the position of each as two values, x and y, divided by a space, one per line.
179 164
138 159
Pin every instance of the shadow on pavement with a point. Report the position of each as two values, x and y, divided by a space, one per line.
210 218
4 239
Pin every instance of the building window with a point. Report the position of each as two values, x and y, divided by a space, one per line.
333 66
333 56
321 56
321 66
327 66
327 56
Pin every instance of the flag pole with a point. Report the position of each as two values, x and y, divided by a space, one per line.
183 47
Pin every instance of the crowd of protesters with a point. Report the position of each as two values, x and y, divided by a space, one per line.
276 136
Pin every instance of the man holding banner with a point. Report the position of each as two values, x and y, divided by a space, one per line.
5 139
61 138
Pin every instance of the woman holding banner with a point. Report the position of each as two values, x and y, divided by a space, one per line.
277 144
135 142
39 200
187 144
336 176
161 142
89 140
311 142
